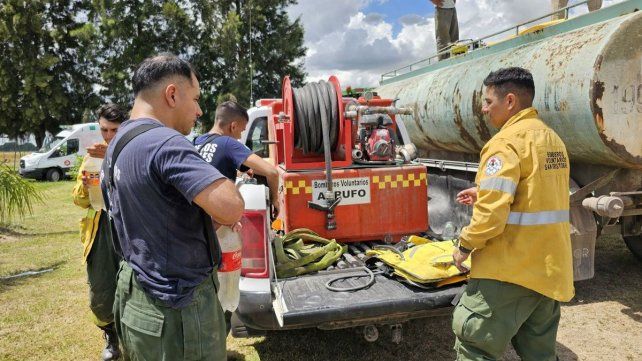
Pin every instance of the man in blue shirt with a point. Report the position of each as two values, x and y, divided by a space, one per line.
221 148
166 307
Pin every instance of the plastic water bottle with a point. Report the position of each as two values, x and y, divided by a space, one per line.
449 231
92 174
229 272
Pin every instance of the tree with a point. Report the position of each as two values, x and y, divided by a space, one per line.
43 79
130 31
213 35
256 43
62 58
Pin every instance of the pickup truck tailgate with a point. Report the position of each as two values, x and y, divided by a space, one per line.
305 301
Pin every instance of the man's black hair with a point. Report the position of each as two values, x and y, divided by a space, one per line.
112 113
518 81
156 68
229 111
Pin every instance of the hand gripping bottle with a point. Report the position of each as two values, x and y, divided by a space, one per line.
92 173
229 271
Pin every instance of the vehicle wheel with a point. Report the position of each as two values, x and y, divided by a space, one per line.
54 175
635 245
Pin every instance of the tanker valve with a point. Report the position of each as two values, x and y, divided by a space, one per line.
605 206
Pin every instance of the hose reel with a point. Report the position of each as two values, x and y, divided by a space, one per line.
315 105
315 114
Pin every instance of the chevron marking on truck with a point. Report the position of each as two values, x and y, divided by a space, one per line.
299 188
413 180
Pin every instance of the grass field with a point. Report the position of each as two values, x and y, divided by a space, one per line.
46 316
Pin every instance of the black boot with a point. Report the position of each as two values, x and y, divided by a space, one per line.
111 351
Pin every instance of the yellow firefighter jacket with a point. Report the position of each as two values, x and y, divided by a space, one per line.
88 224
520 225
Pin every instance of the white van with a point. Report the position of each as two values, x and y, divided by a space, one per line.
59 154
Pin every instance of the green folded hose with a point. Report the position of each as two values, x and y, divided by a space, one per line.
303 251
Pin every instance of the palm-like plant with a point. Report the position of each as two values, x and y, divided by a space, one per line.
16 195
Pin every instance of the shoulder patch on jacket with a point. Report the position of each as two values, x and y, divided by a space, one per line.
493 165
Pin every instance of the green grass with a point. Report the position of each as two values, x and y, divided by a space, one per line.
45 314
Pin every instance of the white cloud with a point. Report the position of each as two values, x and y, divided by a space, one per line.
321 18
412 19
357 47
373 18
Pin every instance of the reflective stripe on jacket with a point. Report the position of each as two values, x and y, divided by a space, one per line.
88 224
520 225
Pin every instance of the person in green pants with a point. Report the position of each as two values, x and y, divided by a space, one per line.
162 197
519 234
98 251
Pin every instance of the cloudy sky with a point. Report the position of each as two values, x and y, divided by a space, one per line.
358 40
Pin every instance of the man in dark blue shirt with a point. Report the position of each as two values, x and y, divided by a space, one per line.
221 148
166 306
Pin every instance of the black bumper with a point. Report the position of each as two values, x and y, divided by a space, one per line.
33 173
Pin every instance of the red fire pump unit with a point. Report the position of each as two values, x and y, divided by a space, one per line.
342 172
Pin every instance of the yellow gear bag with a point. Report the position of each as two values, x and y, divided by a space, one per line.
424 263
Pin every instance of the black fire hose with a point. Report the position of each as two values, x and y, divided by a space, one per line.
317 127
315 105
369 273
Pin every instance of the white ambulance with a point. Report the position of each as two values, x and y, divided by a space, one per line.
59 154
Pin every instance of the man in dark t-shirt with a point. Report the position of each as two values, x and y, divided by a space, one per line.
220 147
166 307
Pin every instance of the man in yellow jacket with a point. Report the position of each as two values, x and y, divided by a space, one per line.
98 250
519 234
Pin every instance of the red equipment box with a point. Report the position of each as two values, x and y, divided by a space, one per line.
382 203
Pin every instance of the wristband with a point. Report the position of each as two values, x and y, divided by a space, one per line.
462 248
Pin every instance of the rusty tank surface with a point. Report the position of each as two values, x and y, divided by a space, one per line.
588 87
588 81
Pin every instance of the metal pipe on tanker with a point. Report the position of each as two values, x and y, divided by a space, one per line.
354 110
588 88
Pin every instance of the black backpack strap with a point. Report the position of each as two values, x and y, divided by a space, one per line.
122 142
108 173
214 248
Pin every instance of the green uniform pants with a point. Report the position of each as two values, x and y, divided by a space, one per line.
150 331
102 269
491 313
